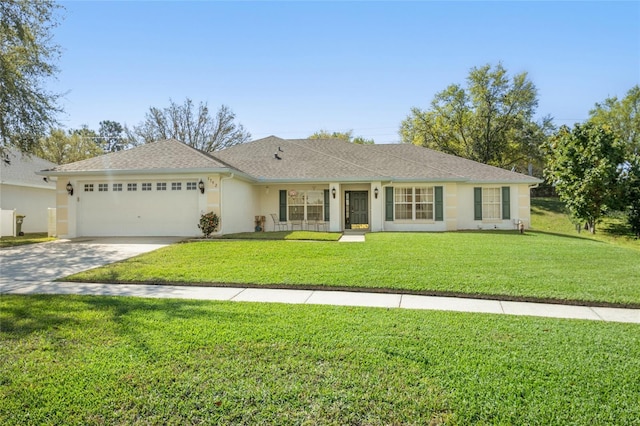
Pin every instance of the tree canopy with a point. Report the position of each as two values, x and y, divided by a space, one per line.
192 125
623 116
62 147
27 59
346 136
491 120
585 165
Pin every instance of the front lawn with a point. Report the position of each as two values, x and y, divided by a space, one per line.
285 235
109 360
32 238
534 265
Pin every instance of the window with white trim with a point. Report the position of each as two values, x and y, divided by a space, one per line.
176 186
491 204
192 186
132 187
416 203
305 205
161 186
146 186
403 203
88 187
117 187
103 187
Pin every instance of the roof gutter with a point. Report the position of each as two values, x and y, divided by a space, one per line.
201 170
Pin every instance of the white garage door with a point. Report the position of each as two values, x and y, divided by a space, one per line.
138 208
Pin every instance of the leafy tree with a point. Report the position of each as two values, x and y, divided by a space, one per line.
27 56
623 116
585 166
193 126
112 137
62 148
346 136
632 192
490 121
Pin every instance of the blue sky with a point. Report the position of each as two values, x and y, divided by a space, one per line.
291 68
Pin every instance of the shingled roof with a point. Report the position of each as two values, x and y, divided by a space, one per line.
168 154
22 169
273 159
337 160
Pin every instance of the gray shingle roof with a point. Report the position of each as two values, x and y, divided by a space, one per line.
303 160
23 168
161 155
335 160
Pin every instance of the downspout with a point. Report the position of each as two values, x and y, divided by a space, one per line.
222 204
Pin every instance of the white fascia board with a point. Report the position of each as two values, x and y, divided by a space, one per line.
531 181
359 180
171 171
27 185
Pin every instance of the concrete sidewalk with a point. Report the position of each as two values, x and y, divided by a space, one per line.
323 297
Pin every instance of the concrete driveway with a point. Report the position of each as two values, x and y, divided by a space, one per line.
49 261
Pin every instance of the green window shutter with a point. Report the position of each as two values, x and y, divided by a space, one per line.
388 203
477 203
506 202
283 205
326 205
439 204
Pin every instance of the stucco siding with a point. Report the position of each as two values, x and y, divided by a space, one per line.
30 202
239 206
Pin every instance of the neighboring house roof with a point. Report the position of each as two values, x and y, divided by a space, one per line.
22 170
160 156
338 160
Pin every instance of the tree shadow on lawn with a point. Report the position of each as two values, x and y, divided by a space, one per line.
28 314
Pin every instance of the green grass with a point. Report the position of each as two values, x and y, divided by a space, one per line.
549 215
286 235
32 238
99 360
534 265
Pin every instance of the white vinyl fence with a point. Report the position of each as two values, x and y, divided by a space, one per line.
51 224
7 223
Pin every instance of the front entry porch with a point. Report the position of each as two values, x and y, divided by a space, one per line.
356 210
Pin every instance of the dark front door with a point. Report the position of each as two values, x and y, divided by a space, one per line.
357 209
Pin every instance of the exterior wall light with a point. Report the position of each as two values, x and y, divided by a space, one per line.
333 192
69 189
201 186
375 192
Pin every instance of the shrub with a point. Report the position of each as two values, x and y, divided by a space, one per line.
209 223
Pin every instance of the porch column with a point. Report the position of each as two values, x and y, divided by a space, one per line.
335 207
376 221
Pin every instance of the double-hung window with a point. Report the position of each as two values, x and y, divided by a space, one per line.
492 203
304 205
416 203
